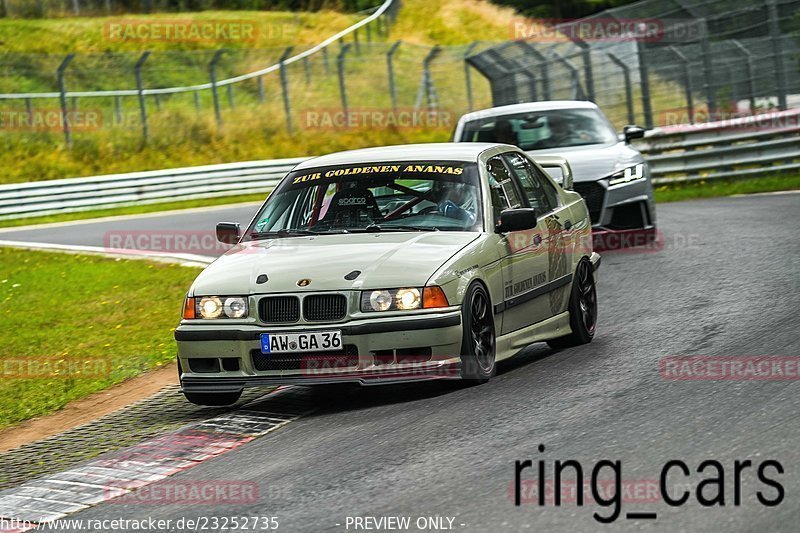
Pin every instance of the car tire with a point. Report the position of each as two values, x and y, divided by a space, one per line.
478 346
582 308
213 399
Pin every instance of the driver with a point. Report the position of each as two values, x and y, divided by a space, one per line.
504 132
457 201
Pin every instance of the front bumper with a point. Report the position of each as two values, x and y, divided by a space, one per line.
622 216
379 350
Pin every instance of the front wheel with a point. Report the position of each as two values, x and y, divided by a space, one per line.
213 399
478 340
582 308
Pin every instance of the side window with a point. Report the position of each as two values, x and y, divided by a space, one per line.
540 192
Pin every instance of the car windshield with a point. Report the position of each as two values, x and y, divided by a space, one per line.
384 196
543 129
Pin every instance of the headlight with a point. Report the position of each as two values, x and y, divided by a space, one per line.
211 307
402 299
636 172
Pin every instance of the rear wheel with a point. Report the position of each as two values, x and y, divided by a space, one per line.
582 308
478 340
214 399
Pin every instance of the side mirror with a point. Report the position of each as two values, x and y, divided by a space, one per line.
631 132
228 232
518 219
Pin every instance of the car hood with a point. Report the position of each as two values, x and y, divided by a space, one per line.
385 260
591 163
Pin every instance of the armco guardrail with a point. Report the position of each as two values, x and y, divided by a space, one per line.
747 146
83 194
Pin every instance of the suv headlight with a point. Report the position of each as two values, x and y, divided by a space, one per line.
633 173
214 307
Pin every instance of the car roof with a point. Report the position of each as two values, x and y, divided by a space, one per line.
527 106
402 152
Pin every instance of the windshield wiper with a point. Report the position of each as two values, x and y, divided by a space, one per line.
398 227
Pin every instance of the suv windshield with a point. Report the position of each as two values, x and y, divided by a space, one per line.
542 129
407 196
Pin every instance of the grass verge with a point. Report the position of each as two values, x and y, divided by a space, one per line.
725 187
108 319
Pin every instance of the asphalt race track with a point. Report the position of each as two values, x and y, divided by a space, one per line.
726 283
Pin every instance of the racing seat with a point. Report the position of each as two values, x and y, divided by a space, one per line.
353 208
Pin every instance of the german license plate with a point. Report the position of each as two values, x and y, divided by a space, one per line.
316 341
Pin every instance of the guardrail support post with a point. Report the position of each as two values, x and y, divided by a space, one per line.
137 71
340 70
230 95
777 57
63 97
287 108
390 69
644 77
212 72
307 69
356 43
197 100
325 61
687 81
29 109
626 74
76 7
468 75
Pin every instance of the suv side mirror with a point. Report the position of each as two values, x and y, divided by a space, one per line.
631 132
518 219
228 232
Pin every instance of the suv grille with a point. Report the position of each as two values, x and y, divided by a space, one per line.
324 307
279 309
594 194
311 363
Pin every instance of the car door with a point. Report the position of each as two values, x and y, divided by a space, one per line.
554 227
523 254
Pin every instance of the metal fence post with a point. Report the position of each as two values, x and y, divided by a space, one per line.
644 78
118 109
368 29
430 91
687 81
287 108
626 74
63 97
197 100
544 74
29 109
307 69
468 75
708 71
212 72
751 80
261 94
230 96
137 71
390 69
355 41
76 7
325 61
775 38
586 53
340 70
